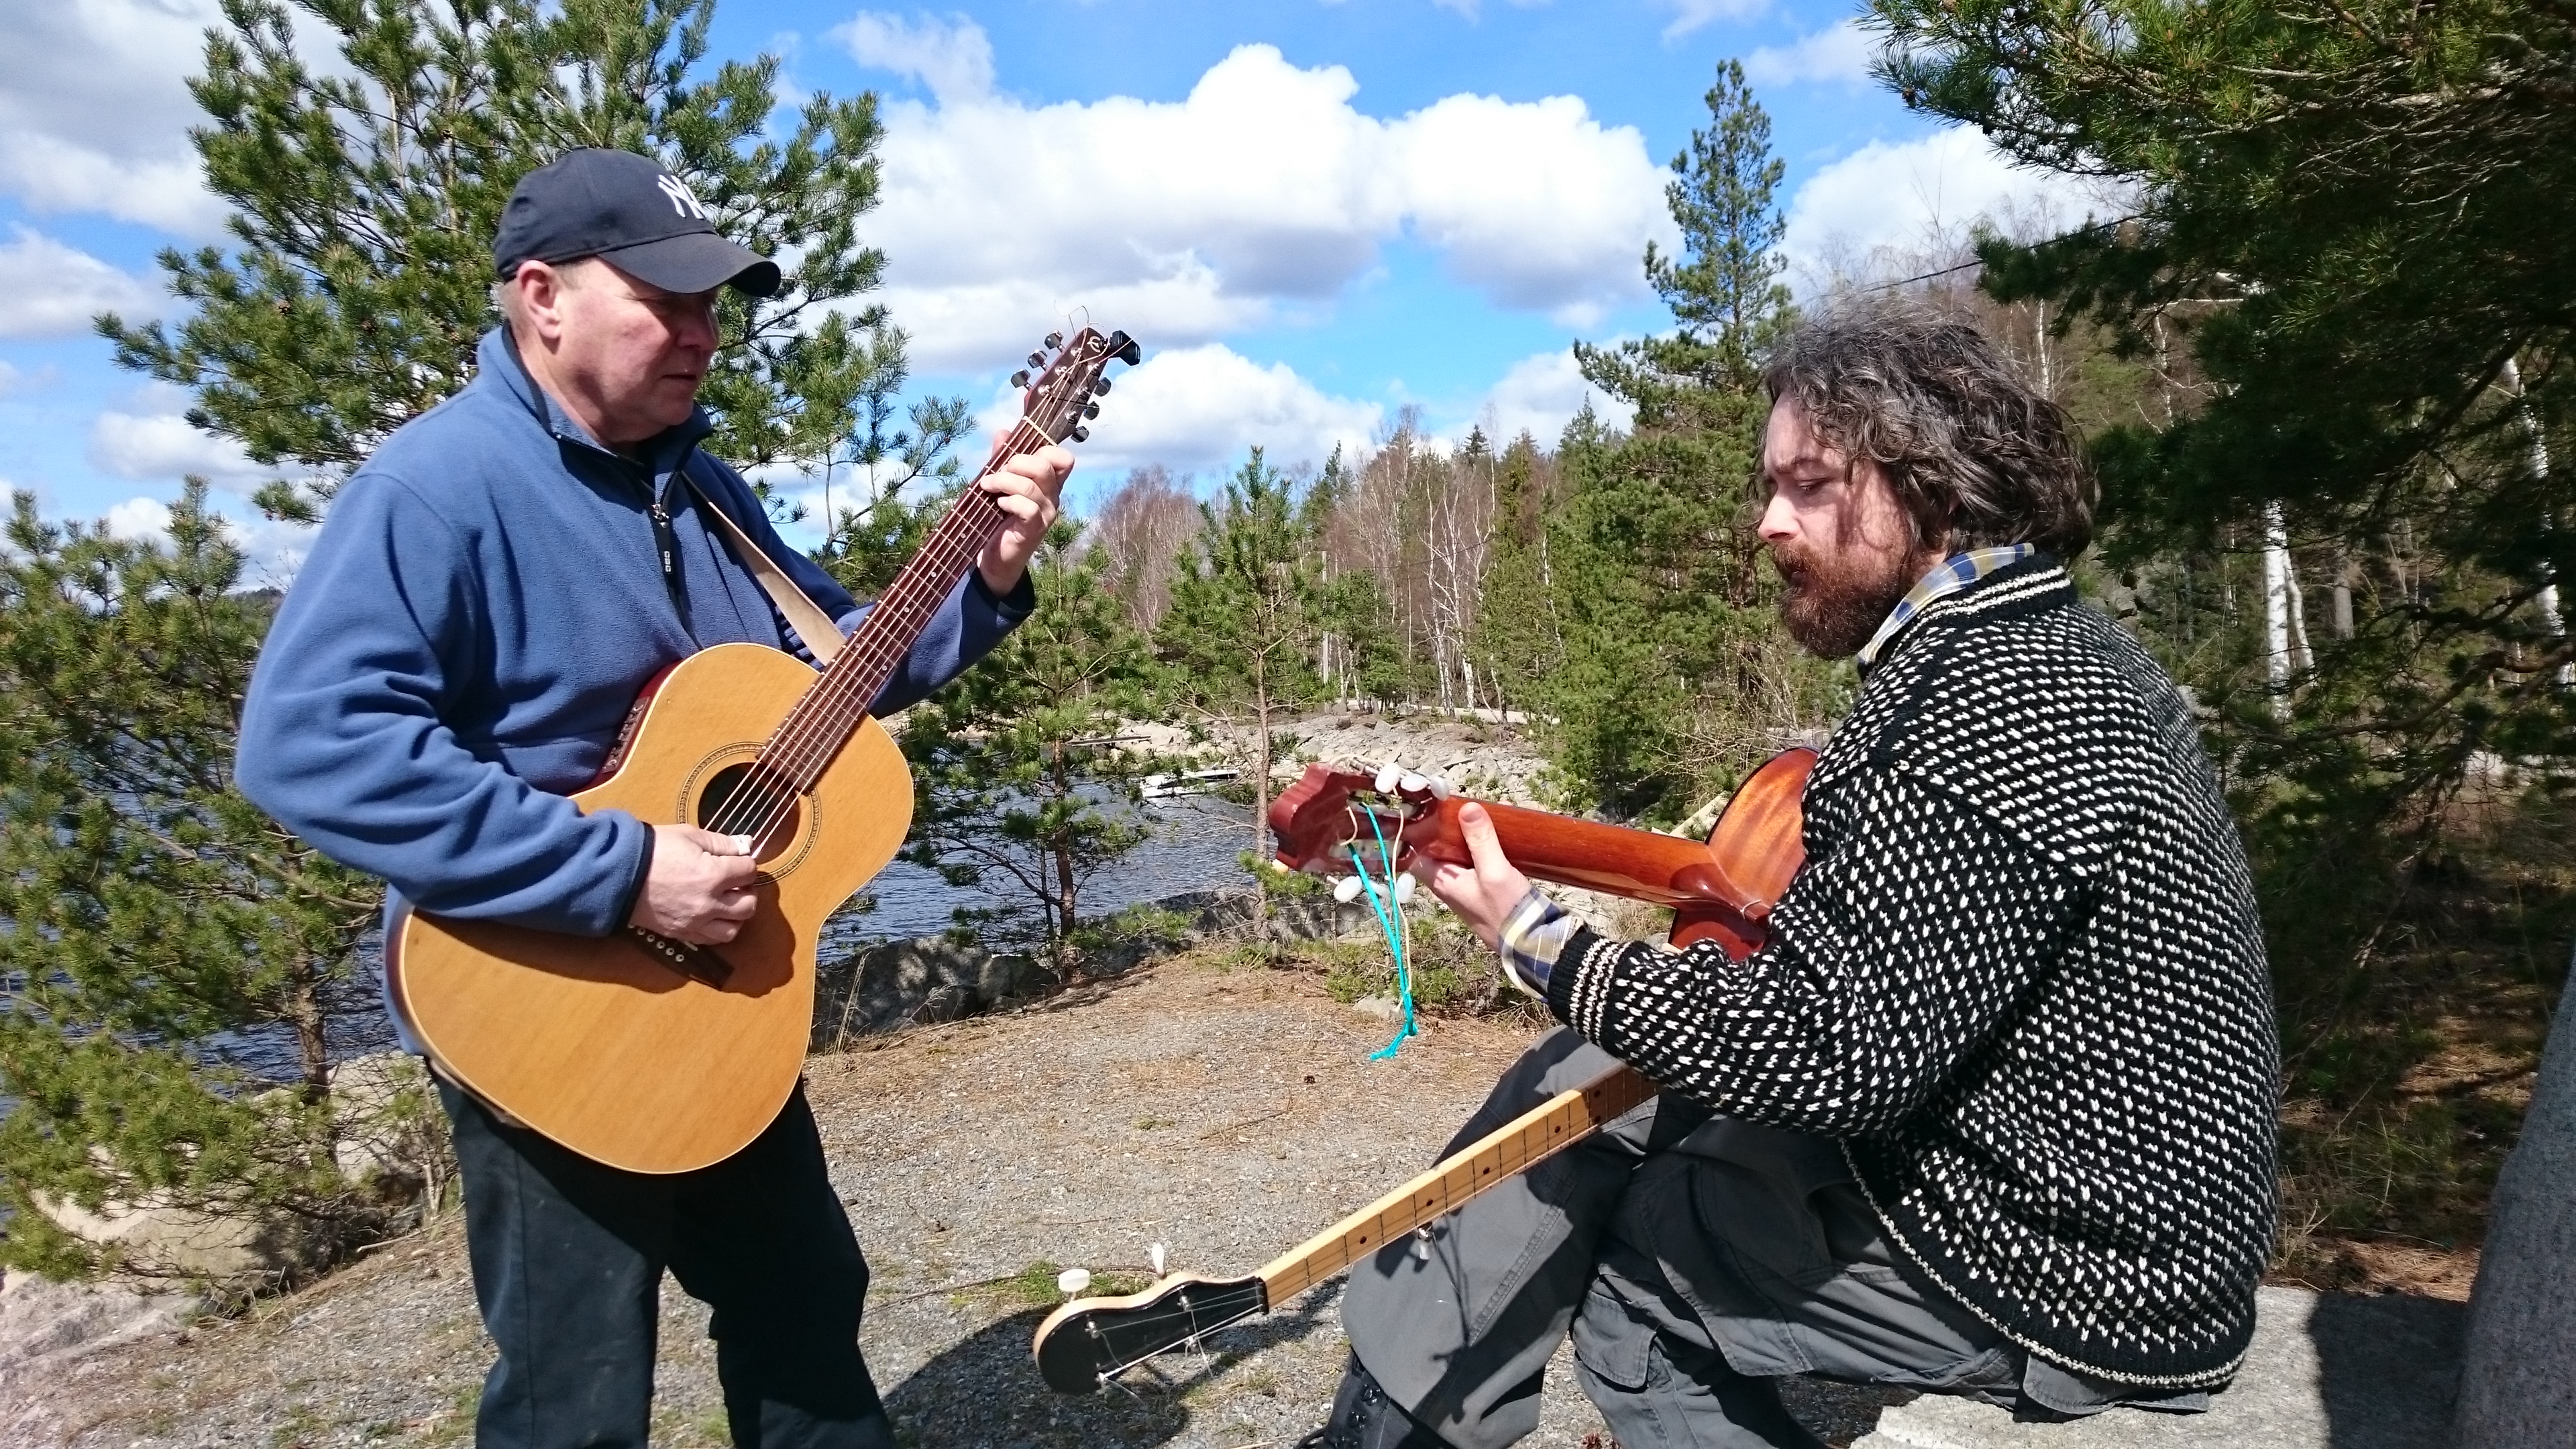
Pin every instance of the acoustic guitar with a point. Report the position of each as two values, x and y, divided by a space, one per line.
1721 890
655 1055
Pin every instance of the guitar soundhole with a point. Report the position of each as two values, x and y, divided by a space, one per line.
739 799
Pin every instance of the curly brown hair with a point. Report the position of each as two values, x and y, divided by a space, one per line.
1974 456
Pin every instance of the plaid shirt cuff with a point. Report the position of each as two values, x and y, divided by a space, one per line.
1533 934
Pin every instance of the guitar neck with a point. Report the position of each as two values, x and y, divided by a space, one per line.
839 701
1532 1137
1644 865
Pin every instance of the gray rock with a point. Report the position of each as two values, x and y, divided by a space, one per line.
2518 1369
1227 914
2326 1371
904 983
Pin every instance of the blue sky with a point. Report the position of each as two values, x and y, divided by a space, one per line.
1313 214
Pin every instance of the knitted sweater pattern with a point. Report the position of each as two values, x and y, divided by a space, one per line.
2020 978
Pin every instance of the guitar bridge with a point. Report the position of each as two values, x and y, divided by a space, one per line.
695 962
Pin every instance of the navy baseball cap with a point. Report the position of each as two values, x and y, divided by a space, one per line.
629 212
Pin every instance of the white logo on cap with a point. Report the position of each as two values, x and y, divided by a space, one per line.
682 203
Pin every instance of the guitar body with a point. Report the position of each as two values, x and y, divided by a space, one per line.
603 1045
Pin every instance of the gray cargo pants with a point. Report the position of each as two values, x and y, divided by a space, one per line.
1695 1258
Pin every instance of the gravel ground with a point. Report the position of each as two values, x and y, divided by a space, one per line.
1226 1113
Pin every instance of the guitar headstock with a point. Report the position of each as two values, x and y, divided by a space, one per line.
1070 375
1091 1340
1332 814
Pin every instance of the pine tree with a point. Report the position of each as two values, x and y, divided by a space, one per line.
1247 607
1020 788
365 195
146 907
1674 678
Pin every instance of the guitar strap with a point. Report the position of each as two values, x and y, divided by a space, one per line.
822 637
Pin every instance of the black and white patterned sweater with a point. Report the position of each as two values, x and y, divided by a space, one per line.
2020 977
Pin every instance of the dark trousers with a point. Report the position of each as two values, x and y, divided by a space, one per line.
568 1259
1695 1260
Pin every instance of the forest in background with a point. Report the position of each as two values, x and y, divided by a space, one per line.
2316 335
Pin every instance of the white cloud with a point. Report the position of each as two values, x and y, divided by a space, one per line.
954 57
139 518
155 441
1840 55
1202 407
50 290
1892 205
1262 192
1539 395
15 379
94 109
1690 15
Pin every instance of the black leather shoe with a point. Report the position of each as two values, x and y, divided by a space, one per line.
1365 1418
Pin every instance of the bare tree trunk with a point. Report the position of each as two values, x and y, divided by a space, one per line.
2552 617
312 1051
2280 598
1067 896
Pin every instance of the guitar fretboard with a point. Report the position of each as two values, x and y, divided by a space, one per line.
1535 1135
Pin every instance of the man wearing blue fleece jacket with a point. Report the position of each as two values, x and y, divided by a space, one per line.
459 653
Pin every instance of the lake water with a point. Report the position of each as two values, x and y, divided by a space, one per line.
1195 842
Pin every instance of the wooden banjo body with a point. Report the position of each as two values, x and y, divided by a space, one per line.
602 1044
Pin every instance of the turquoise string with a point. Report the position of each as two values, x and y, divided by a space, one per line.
1394 938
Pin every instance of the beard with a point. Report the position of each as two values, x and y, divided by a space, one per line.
1832 605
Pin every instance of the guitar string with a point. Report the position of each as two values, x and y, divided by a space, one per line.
791 751
821 721
782 757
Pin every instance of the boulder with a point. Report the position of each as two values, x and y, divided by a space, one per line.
160 1244
902 983
2518 1371
2326 1371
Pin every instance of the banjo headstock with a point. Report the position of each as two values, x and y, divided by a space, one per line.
1090 1341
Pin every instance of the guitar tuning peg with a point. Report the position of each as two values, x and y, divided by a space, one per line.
1037 359
1054 340
1441 789
1347 889
1412 784
1020 378
1082 435
1387 775
1154 1255
1091 410
1072 1282
1403 889
1129 354
1100 387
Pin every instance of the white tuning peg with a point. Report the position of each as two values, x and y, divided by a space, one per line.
1347 889
1403 889
1072 1282
1412 784
1441 789
1387 775
1154 1255
1278 865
